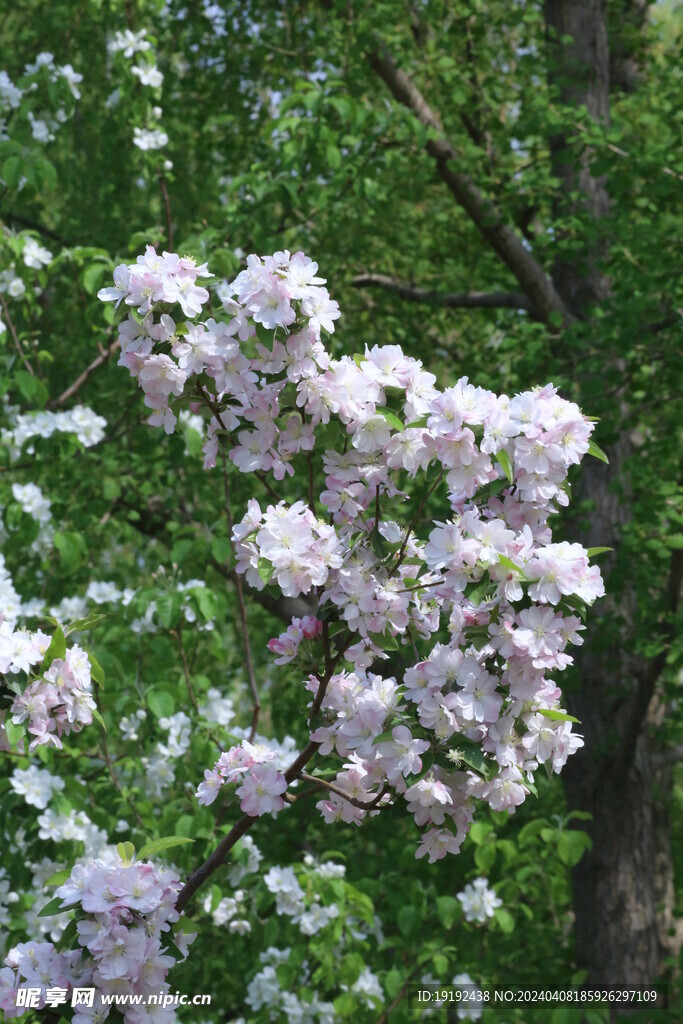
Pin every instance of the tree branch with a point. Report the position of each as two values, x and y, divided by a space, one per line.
648 681
543 298
81 379
454 300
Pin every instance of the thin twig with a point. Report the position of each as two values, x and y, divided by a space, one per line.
412 523
82 377
251 675
365 805
186 669
15 338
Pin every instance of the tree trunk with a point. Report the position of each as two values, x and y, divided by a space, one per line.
623 890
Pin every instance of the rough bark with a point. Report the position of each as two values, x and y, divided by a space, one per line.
623 888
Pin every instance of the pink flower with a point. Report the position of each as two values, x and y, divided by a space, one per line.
260 791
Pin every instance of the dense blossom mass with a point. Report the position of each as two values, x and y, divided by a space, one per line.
480 607
123 931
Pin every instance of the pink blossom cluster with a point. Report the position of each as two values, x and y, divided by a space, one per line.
39 965
279 292
288 544
261 784
481 606
287 644
125 910
55 703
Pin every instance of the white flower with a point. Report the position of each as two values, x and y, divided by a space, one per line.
36 785
149 138
35 255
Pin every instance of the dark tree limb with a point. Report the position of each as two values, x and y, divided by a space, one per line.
82 377
544 300
453 300
648 681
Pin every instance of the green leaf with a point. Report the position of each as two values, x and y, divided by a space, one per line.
14 733
506 462
89 622
448 910
96 670
265 569
509 564
592 552
557 716
505 920
572 845
206 602
126 852
484 857
32 388
98 718
597 452
391 417
52 908
408 920
157 845
12 171
59 877
393 983
421 421
160 703
72 550
57 648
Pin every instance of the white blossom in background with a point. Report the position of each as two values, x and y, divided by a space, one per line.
478 901
36 785
471 1010
217 708
34 254
149 138
178 729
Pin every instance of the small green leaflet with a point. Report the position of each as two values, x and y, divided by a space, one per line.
59 877
89 622
509 564
98 718
265 569
157 845
57 648
506 462
472 756
391 417
126 852
52 908
14 733
416 424
557 716
96 670
592 552
597 452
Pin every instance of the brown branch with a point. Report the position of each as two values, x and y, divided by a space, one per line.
15 337
283 608
186 669
365 805
33 225
249 662
453 300
543 297
648 681
81 379
205 870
